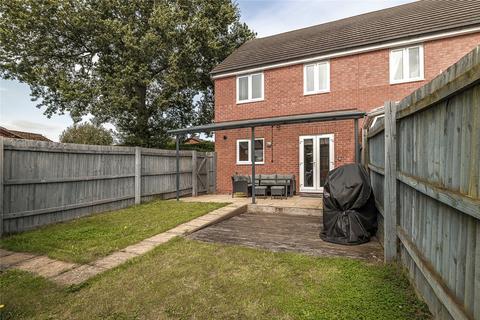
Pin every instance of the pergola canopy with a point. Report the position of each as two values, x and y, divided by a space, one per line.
251 123
351 114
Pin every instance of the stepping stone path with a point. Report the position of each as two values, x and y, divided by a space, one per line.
66 273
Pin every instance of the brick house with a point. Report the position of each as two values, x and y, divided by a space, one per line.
354 63
14 134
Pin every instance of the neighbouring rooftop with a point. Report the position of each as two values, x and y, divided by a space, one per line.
14 134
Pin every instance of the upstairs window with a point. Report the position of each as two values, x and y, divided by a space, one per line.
244 151
250 88
316 78
406 64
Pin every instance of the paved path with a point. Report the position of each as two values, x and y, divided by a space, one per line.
67 273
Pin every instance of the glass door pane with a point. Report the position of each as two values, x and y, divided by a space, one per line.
324 156
308 164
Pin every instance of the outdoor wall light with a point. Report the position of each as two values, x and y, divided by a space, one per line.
224 137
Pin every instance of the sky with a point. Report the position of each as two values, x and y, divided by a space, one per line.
266 17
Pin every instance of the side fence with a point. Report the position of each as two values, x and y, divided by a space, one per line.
46 182
424 163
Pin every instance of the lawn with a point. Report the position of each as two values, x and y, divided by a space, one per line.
186 279
87 239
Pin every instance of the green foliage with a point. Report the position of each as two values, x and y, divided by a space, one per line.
204 146
86 239
185 279
86 133
140 65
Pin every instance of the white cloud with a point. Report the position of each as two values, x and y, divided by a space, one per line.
272 17
26 125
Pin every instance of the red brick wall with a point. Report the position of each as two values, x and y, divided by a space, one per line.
356 82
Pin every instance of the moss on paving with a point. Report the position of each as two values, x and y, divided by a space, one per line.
87 239
186 279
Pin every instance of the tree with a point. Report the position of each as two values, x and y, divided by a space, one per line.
142 65
86 133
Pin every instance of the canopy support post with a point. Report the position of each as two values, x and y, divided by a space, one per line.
252 158
177 160
357 144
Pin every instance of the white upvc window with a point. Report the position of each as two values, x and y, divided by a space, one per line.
406 64
244 153
250 88
316 77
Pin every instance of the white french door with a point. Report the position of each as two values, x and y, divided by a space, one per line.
316 160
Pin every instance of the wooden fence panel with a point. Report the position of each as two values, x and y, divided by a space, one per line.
438 188
46 182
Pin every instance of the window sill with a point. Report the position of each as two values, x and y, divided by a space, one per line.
250 101
248 163
406 81
315 92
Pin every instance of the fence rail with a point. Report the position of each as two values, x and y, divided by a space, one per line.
46 182
424 163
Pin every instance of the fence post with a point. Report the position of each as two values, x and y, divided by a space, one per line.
214 172
364 148
390 195
208 165
1 186
194 174
138 175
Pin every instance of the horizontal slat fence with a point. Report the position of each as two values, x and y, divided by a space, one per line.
46 182
434 220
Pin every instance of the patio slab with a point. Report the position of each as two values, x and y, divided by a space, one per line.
4 253
140 248
53 268
11 260
290 202
161 238
114 260
77 275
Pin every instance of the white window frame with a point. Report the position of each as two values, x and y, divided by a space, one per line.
406 65
249 76
249 161
316 80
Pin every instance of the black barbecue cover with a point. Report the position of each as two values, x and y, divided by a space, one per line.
349 213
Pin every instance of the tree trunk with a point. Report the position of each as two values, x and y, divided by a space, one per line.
142 133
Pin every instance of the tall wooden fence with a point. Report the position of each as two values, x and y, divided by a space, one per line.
424 163
46 182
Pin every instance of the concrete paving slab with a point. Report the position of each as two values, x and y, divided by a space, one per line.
13 259
77 275
55 268
181 229
114 260
32 265
161 238
4 253
140 248
197 223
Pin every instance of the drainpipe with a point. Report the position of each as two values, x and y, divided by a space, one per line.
252 157
357 144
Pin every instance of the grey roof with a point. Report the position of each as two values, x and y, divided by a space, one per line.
260 122
397 23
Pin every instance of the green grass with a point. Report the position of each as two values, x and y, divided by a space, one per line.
185 279
86 239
